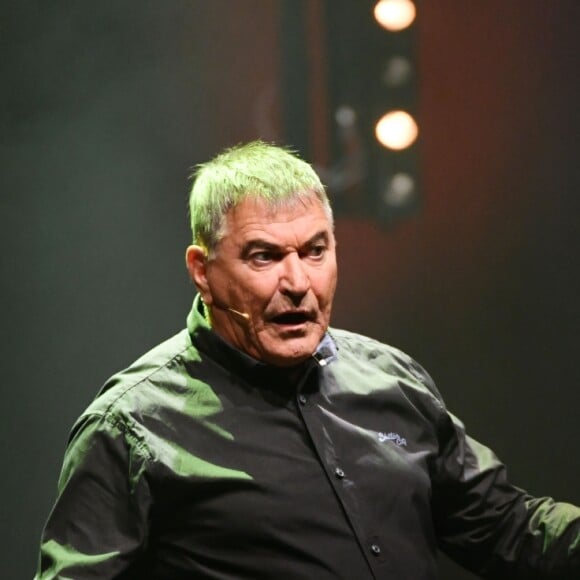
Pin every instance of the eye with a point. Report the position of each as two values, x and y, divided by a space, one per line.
262 257
316 252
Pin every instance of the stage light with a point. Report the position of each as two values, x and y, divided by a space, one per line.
345 116
374 125
400 190
397 72
396 130
395 15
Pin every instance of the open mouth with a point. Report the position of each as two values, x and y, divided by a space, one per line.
291 318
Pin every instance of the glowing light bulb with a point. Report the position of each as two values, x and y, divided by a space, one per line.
396 130
395 15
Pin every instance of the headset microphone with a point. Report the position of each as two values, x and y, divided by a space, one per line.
243 315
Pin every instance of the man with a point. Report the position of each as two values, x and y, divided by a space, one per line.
259 444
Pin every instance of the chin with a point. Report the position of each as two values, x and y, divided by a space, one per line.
285 358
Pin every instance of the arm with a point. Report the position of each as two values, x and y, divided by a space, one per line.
493 528
99 523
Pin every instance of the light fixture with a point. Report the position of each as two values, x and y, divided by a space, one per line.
398 71
396 130
395 15
374 158
399 190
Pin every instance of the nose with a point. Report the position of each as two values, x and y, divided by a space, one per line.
294 280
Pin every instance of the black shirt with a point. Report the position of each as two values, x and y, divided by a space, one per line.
201 462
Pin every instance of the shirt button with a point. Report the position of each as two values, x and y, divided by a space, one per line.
339 473
302 399
375 549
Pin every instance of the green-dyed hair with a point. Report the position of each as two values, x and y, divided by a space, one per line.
260 169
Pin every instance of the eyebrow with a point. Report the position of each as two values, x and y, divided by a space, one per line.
258 243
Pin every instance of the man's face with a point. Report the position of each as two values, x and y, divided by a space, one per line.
277 269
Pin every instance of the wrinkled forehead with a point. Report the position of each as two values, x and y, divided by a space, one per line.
301 201
255 209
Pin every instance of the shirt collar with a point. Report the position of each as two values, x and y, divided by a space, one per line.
208 341
326 352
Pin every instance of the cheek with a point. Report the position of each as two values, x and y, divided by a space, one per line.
256 290
325 286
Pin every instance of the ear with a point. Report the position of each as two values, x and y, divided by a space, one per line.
196 263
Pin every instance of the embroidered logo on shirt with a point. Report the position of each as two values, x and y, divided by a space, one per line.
399 441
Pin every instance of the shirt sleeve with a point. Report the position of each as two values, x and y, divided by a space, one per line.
99 523
492 527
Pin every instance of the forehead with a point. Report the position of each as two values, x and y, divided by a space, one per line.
297 220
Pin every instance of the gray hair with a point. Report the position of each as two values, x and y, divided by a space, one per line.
260 169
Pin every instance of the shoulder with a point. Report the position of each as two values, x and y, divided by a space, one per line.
357 347
135 408
383 366
158 375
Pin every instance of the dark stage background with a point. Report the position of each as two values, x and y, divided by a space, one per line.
106 106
